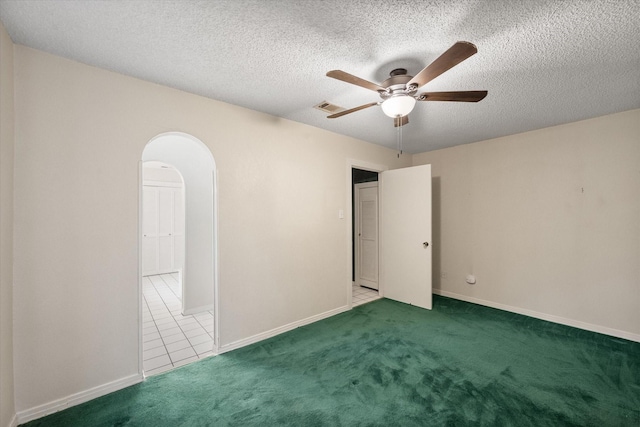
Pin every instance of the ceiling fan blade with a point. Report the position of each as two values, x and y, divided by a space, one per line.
452 57
350 78
353 110
400 121
462 96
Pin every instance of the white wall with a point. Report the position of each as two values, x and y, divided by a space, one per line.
282 249
6 228
196 165
548 221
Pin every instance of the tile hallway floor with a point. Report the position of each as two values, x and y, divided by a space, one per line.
362 295
169 338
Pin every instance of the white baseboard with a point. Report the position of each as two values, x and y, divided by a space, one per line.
84 396
543 316
277 331
197 310
76 399
13 422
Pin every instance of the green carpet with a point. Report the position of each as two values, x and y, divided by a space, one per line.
390 364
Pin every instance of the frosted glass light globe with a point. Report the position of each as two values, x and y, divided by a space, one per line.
398 106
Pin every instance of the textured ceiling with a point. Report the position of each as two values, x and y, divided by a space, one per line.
543 62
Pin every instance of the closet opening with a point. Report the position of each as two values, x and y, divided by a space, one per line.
365 237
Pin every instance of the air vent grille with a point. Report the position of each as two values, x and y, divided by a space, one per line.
328 107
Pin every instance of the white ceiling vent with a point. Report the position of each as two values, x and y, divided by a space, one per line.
327 107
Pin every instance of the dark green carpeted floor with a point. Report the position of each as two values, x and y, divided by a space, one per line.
385 364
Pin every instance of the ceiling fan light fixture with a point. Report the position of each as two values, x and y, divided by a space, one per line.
398 106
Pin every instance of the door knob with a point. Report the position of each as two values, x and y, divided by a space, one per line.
425 244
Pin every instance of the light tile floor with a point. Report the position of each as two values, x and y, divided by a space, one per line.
361 295
169 338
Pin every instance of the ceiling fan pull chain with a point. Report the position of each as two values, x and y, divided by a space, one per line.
399 129
400 138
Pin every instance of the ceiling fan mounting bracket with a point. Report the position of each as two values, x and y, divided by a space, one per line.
398 72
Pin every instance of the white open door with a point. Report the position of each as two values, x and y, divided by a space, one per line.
405 264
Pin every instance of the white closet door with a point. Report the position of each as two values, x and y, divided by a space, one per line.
367 217
149 230
163 229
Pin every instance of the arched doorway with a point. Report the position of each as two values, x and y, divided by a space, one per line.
179 320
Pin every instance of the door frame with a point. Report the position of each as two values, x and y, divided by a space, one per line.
140 297
364 165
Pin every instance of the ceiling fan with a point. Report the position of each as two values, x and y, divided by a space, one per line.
398 92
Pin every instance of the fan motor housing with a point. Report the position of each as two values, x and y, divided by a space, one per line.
396 84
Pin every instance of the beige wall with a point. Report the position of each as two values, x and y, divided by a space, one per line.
510 210
548 221
6 228
282 249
